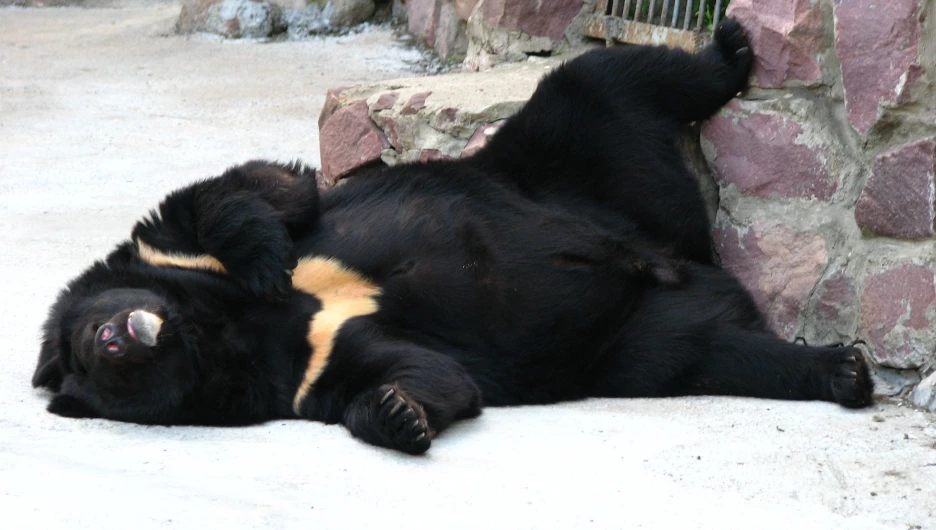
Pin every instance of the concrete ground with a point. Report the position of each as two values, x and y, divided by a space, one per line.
102 113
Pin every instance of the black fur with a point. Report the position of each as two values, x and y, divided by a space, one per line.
569 258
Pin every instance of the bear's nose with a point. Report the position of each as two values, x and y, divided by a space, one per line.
106 340
105 332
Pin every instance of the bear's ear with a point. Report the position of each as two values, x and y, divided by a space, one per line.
50 369
49 372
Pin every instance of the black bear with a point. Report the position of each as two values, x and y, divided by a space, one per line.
569 258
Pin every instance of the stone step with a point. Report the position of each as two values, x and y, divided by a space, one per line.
421 118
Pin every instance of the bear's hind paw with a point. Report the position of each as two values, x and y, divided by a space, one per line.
852 386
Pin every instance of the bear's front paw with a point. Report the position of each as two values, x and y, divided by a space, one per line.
70 407
735 46
852 386
272 282
266 271
731 38
402 421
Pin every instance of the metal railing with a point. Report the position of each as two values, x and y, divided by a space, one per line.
683 23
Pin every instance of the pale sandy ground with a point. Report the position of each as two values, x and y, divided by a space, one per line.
101 114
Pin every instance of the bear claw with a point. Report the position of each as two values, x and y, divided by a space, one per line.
852 386
386 396
402 421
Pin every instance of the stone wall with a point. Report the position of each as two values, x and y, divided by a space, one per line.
827 204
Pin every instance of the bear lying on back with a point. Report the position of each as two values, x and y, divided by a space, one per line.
571 257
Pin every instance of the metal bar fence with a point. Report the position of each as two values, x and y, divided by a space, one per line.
678 14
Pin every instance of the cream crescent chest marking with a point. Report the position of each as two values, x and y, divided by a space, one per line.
159 258
344 294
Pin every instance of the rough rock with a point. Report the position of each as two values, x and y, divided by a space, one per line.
497 31
253 19
438 24
877 44
539 19
450 41
348 12
480 138
304 22
415 103
421 18
893 382
899 199
260 18
766 154
510 30
464 8
834 296
349 140
924 395
898 315
335 98
777 265
193 15
489 46
385 101
432 154
833 315
424 118
788 37
250 19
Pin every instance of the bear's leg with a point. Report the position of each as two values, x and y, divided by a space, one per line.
242 223
729 360
600 135
719 73
623 99
758 364
416 396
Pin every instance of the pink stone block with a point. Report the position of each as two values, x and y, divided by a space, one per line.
349 140
877 43
760 154
898 314
392 130
450 37
479 139
899 199
432 154
465 7
446 117
385 101
422 17
333 101
546 19
834 296
787 38
415 103
777 265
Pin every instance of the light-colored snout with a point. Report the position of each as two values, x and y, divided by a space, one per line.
144 326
